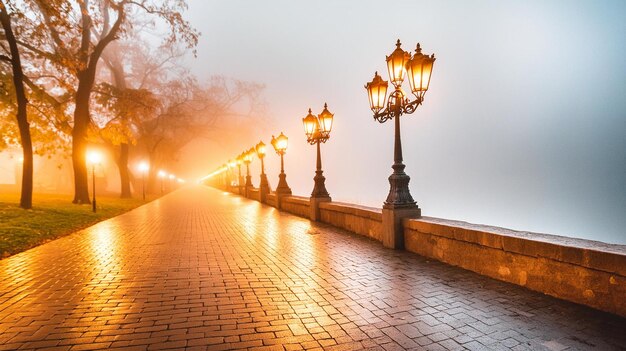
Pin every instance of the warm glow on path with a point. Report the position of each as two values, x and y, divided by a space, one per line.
198 267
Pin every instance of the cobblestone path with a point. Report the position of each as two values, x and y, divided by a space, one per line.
199 269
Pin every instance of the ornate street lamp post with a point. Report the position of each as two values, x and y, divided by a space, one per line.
224 173
247 158
94 158
280 146
317 130
399 203
239 178
231 167
264 187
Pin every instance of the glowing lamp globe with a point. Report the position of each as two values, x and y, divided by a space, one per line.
377 93
94 157
311 125
396 63
144 167
419 69
260 149
280 143
325 121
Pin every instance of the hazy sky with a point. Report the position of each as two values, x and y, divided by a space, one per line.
524 125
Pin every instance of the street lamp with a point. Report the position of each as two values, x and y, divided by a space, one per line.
418 69
94 158
317 130
247 158
239 178
264 187
143 168
280 146
162 175
231 166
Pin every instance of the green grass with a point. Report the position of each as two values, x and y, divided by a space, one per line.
51 217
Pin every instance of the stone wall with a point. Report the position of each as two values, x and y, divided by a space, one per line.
271 200
296 205
357 219
254 194
582 271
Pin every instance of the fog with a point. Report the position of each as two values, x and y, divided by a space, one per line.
524 124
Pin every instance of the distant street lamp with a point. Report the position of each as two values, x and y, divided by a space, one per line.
231 166
239 161
399 203
224 173
317 130
247 158
418 68
264 187
143 168
280 146
94 158
162 175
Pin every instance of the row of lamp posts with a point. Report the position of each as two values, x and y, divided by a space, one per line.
280 144
399 203
94 158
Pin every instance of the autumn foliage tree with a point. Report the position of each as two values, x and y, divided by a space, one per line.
75 35
26 199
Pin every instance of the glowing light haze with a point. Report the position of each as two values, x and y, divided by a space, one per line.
524 124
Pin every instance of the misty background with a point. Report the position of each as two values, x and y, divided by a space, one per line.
524 124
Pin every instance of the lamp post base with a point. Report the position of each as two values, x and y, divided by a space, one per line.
264 188
398 206
282 187
314 207
248 185
393 229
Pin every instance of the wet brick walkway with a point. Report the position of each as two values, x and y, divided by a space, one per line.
199 269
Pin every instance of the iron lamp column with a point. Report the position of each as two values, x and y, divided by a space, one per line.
418 67
247 158
317 130
239 178
280 146
94 157
264 187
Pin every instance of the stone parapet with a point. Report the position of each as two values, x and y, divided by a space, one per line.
296 205
272 200
254 194
582 271
361 220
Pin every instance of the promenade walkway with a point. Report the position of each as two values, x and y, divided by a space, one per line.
200 269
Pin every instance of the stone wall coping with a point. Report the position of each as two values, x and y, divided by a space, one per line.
271 195
297 200
356 210
591 254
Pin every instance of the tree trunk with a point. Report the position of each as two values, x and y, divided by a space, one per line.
86 78
26 198
124 174
79 138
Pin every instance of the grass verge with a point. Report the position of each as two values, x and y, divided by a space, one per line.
51 217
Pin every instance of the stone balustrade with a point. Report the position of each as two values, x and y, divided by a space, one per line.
582 271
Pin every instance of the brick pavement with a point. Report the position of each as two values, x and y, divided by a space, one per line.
203 270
